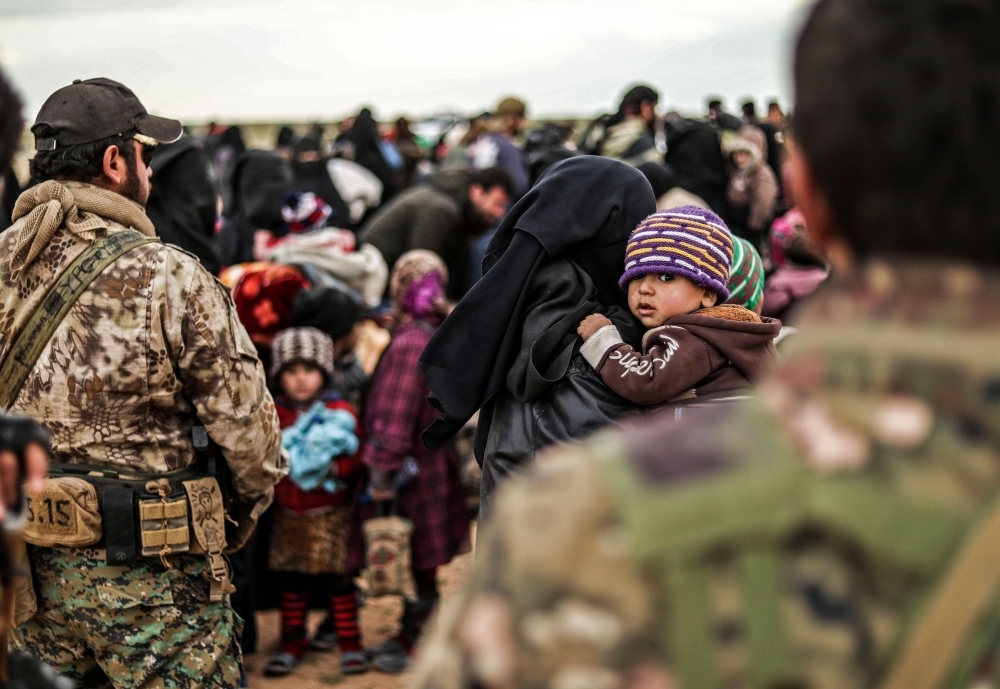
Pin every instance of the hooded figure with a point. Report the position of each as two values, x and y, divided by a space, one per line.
260 181
510 347
310 174
362 143
543 148
753 189
224 147
182 201
694 154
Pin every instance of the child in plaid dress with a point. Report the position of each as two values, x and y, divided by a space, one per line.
396 412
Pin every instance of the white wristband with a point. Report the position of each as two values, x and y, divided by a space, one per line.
600 342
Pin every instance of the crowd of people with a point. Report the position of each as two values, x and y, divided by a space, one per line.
345 255
603 344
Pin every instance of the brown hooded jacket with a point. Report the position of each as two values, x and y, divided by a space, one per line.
707 354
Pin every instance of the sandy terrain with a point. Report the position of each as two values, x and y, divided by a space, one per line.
379 621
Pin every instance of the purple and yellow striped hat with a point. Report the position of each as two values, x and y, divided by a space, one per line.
687 241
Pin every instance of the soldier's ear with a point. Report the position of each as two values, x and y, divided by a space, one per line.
810 198
114 167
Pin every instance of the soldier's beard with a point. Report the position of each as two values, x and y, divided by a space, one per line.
131 189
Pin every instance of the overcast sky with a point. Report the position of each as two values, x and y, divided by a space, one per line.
256 60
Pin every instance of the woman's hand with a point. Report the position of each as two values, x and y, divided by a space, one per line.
591 324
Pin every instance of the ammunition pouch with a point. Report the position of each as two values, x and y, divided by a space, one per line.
64 513
164 525
208 524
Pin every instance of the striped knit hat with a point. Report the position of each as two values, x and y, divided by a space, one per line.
304 212
746 277
302 345
688 241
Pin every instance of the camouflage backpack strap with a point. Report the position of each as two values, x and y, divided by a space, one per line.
750 513
56 303
945 635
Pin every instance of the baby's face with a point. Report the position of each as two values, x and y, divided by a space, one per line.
654 299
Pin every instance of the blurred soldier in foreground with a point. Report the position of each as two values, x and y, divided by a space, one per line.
130 353
842 529
24 447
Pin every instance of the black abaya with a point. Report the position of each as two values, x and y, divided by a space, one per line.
580 212
260 181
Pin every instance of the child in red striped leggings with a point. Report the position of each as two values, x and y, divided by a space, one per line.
313 505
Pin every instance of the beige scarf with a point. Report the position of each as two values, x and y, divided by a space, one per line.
81 207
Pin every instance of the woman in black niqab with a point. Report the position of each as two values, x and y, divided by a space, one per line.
365 137
260 181
699 165
309 173
510 347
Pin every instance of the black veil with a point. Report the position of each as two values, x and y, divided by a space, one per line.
582 210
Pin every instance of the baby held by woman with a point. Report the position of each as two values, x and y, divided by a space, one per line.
697 348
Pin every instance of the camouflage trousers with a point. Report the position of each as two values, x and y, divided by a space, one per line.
145 627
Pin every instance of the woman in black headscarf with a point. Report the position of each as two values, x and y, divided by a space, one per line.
309 173
510 347
260 181
694 153
224 147
362 144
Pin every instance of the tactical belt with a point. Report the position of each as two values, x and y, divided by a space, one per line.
134 514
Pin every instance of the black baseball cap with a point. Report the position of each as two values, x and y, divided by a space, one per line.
95 109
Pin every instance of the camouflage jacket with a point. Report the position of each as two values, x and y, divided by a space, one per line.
790 541
151 347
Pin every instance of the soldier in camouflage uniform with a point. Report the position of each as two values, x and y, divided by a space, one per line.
840 530
151 348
